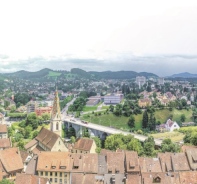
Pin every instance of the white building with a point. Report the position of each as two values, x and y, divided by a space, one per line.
171 125
113 98
140 80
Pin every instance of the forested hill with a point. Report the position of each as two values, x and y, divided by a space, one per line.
28 75
121 74
76 72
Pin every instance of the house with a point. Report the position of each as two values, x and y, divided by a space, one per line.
30 179
171 125
5 143
168 126
140 80
11 163
3 131
46 140
84 145
55 166
144 102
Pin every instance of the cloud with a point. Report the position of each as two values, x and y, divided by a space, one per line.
162 65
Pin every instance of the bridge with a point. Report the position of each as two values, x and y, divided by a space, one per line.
101 131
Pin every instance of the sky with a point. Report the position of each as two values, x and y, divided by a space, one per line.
99 35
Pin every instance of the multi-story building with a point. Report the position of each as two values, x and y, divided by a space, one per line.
113 98
84 145
31 106
42 110
55 166
140 80
160 81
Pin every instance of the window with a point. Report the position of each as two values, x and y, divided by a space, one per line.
60 181
55 173
55 180
57 126
51 179
60 174
65 174
41 173
51 174
46 173
65 181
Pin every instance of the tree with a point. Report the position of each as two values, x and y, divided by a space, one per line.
183 117
32 120
86 133
21 145
72 139
168 146
149 147
45 116
5 181
152 122
111 108
131 122
35 134
145 119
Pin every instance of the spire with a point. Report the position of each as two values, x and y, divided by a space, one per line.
56 106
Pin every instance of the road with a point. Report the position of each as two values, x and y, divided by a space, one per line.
109 130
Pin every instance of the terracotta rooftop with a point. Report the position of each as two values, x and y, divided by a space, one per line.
30 179
30 144
47 137
11 159
189 177
31 167
90 163
115 162
166 162
149 164
179 162
132 163
84 144
50 161
3 128
5 143
133 179
192 158
24 155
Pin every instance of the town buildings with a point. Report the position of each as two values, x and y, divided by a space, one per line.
113 98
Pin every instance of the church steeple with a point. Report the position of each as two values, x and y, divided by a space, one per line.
56 122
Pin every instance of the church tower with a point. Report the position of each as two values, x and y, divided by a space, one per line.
56 122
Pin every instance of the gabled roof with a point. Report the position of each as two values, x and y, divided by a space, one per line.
47 138
84 144
52 161
90 163
115 162
31 143
3 128
5 143
132 163
149 164
179 162
11 159
133 179
192 158
166 162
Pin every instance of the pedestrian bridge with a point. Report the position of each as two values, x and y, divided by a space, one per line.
101 131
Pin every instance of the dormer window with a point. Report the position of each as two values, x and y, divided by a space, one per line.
62 167
157 180
53 167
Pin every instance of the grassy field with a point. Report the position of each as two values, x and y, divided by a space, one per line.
121 122
88 108
54 74
108 120
174 136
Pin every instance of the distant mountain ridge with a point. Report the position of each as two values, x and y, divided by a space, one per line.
183 75
80 73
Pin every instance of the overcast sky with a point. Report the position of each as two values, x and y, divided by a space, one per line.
158 36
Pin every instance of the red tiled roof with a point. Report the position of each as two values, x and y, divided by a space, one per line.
3 128
83 144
